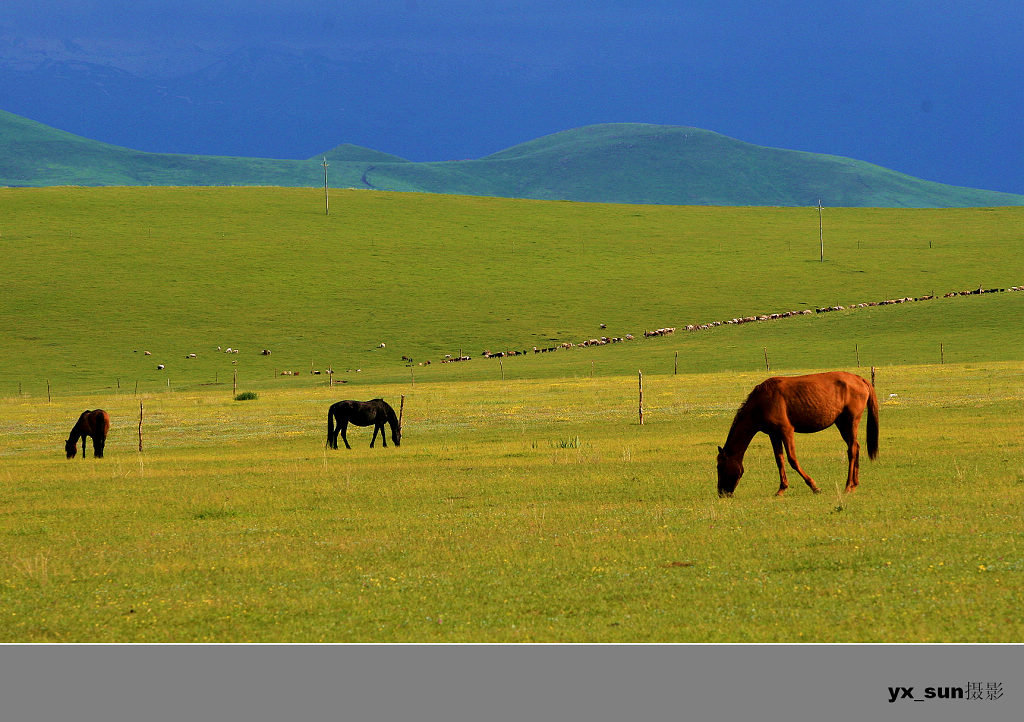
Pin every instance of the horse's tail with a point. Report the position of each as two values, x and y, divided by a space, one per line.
104 423
872 422
330 425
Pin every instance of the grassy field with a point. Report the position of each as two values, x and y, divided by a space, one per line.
96 277
526 503
532 510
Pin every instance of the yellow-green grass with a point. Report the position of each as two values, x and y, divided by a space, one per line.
96 277
526 502
526 510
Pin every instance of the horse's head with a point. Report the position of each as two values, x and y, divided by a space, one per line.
729 472
71 448
396 435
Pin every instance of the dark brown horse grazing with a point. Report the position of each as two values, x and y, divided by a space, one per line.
781 405
91 423
375 412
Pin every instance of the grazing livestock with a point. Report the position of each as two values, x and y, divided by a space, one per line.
94 424
738 320
375 412
780 406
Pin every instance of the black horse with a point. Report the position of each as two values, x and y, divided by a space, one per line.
374 413
91 423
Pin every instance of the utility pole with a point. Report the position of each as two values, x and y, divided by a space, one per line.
327 200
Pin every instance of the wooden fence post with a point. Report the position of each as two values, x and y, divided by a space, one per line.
641 408
140 426
766 366
872 375
401 409
675 365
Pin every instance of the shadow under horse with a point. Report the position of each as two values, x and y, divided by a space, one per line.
375 412
94 424
782 405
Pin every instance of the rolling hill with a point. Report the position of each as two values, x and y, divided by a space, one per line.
177 271
612 163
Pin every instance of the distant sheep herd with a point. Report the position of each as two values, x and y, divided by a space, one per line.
604 340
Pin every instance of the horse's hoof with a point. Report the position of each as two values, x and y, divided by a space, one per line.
816 490
725 495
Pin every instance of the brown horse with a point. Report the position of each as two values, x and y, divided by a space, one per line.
781 405
91 423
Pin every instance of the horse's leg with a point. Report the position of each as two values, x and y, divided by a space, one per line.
97 446
787 437
375 430
343 426
847 426
780 462
383 436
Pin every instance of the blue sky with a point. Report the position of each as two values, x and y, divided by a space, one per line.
933 89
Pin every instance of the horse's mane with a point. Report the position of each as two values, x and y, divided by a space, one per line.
746 407
81 423
392 416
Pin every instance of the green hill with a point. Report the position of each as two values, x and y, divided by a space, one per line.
685 166
32 154
358 154
614 163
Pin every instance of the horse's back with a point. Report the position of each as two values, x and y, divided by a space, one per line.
96 421
360 413
354 404
814 401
